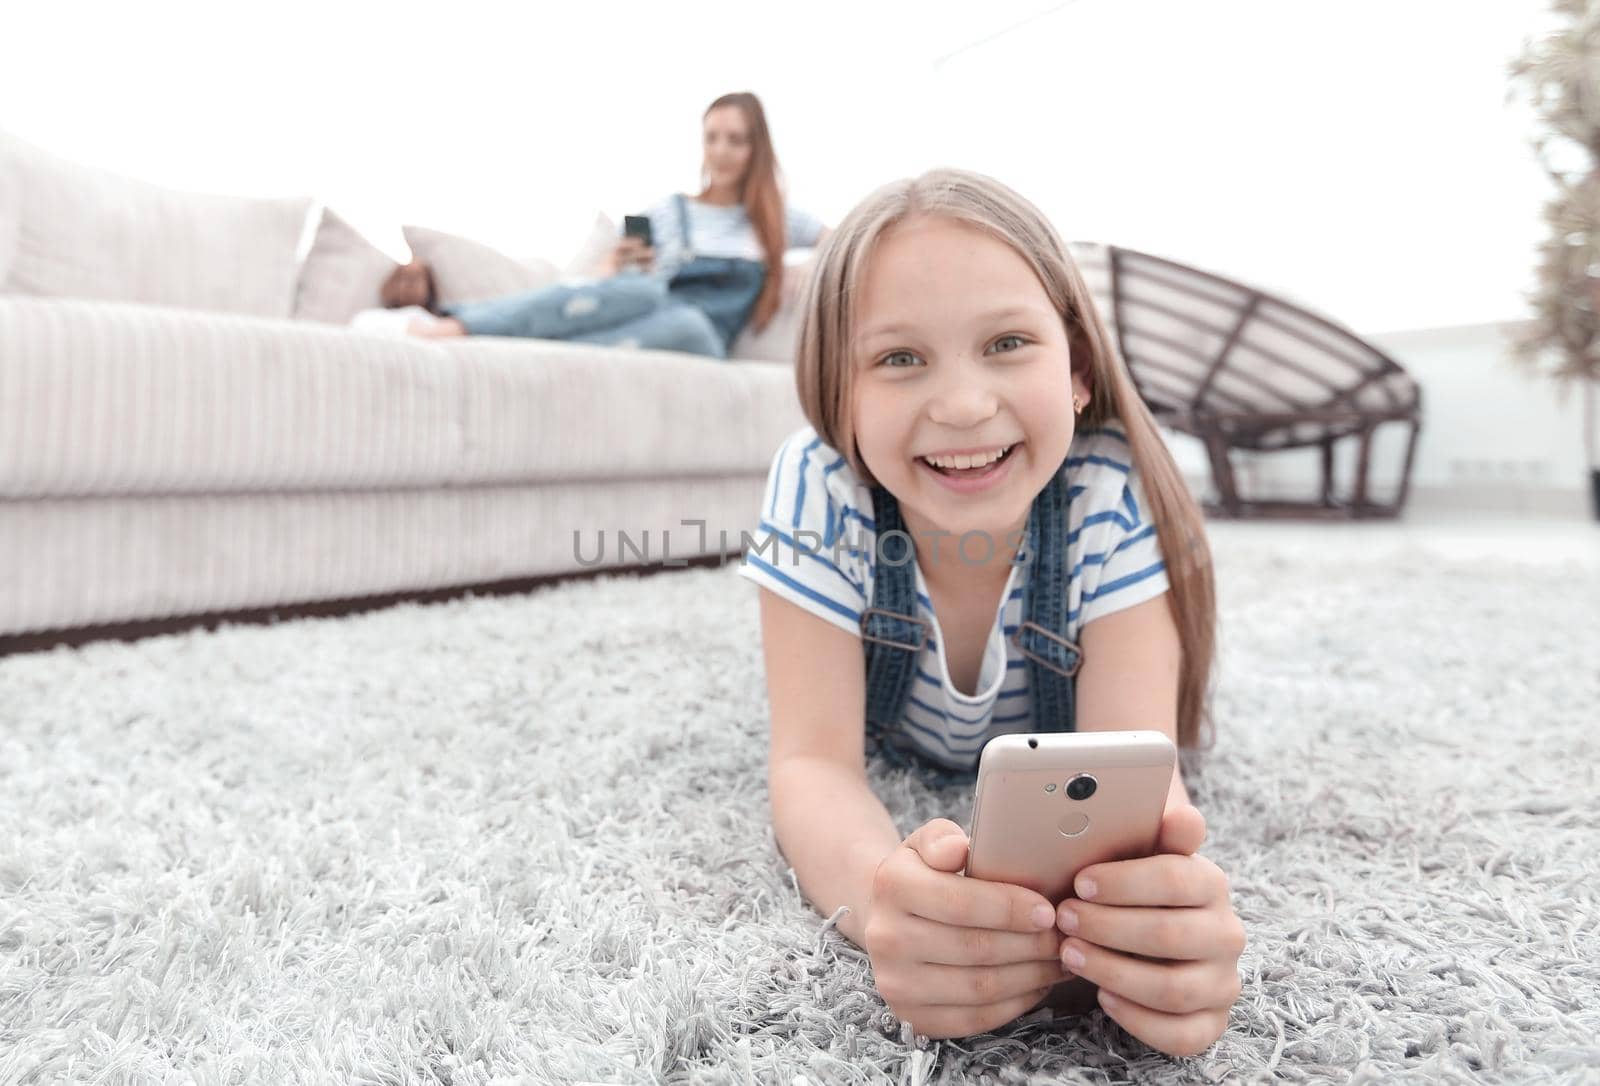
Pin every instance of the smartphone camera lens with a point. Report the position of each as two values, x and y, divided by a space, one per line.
1081 787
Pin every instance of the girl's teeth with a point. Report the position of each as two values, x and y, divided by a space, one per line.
965 463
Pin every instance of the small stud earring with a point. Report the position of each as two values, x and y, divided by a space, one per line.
1077 406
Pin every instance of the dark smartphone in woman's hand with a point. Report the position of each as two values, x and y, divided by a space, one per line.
637 226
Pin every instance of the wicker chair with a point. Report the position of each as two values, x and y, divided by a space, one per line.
1240 369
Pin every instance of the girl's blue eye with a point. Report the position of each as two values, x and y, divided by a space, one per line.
887 360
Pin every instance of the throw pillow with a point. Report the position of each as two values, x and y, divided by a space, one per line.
470 271
341 274
777 341
91 233
602 238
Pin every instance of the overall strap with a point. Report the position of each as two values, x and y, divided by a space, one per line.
683 223
891 632
893 635
1041 638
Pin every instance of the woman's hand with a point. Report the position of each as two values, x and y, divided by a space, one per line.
631 252
955 956
1172 907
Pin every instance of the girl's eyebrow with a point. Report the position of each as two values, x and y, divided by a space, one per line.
1003 313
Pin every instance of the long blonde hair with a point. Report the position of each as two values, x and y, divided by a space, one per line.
825 380
763 202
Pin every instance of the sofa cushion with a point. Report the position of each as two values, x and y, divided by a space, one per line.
470 271
90 561
542 409
90 233
341 275
102 398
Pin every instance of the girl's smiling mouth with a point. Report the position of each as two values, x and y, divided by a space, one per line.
971 471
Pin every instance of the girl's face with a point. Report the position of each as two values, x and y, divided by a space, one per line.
726 141
958 351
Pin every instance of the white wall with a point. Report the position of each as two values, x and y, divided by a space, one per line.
1359 155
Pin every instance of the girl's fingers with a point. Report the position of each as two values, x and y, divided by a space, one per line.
966 1021
976 985
1153 880
1174 1034
1172 987
1186 934
945 944
961 902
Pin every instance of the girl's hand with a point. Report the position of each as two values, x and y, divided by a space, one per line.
1172 907
955 956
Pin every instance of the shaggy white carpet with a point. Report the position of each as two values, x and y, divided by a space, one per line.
525 839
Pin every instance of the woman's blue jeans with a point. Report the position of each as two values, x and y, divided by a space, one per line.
625 310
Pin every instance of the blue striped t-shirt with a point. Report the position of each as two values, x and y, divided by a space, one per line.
1113 558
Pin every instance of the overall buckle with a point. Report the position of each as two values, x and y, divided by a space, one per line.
1071 647
920 623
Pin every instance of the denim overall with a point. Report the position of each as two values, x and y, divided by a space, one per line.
724 288
892 635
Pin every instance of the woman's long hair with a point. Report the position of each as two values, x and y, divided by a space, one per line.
825 380
762 199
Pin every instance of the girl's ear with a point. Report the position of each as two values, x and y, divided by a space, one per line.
1082 361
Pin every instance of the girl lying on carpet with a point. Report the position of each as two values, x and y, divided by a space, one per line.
955 374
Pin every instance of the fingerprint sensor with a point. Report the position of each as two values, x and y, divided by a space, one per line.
1073 824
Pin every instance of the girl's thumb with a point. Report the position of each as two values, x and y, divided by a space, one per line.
940 843
1183 831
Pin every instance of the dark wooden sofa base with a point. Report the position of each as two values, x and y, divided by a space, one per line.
133 631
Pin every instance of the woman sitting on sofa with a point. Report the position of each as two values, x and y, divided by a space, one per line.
717 263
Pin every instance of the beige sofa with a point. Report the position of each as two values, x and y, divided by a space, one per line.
178 437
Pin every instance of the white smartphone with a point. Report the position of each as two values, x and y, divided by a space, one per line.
1049 804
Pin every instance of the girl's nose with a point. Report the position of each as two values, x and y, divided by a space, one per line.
962 403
